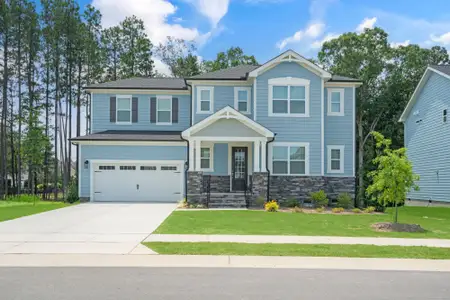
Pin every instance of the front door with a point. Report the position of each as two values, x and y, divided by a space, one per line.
239 168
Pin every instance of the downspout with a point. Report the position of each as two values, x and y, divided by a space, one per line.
267 167
187 165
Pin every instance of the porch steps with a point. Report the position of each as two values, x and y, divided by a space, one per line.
227 200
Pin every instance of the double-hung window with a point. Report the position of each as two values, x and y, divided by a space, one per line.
205 100
335 159
290 159
289 97
336 102
123 110
242 99
164 110
206 158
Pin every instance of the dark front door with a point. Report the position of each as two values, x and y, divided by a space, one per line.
239 168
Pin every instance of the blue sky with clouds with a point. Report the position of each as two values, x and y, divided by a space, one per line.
266 27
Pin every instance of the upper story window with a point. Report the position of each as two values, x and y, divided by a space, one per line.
335 102
289 97
205 100
242 99
290 159
123 111
164 110
335 159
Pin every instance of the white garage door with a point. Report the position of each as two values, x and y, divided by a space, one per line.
138 182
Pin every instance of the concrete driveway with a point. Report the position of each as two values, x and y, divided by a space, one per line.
112 228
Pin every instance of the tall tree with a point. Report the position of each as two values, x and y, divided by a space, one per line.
179 56
112 47
231 58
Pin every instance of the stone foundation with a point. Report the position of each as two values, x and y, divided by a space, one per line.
259 187
219 184
194 187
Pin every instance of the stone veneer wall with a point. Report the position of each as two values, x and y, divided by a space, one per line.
194 186
259 186
283 188
219 184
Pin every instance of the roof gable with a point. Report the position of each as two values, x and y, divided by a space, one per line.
440 70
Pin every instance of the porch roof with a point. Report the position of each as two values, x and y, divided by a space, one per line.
228 119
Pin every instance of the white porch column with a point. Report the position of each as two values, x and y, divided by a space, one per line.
198 144
191 155
263 156
256 156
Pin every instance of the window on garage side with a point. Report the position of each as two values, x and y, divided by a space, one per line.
128 168
168 168
148 168
106 168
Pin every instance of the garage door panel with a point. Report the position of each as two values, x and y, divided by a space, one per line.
138 182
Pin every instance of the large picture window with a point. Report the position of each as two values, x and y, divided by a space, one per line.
290 159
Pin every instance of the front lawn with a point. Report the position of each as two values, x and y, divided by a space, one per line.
13 210
436 220
367 251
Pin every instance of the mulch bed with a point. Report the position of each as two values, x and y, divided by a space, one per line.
397 227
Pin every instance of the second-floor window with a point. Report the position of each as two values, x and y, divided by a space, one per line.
290 159
123 111
336 102
242 99
205 100
164 110
289 97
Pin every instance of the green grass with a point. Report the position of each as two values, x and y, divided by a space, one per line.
436 220
13 210
368 251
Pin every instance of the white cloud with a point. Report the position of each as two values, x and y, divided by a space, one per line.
330 36
214 10
366 23
398 44
154 13
318 8
265 1
177 19
443 39
312 31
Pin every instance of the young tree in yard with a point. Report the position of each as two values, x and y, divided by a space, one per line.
231 58
394 177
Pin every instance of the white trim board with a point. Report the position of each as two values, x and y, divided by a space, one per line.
131 143
139 91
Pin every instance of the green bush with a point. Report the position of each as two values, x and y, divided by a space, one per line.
369 209
338 210
28 198
292 202
319 199
344 200
356 211
72 193
320 209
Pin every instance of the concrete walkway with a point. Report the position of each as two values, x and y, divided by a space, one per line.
275 239
209 261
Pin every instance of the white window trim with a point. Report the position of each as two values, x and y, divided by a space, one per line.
288 81
341 102
211 157
341 158
130 98
287 144
211 100
236 99
163 98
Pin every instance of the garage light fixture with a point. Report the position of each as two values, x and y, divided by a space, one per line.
86 164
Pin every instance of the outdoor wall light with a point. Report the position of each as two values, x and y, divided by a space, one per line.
86 164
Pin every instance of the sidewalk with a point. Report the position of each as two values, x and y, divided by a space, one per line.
208 261
275 239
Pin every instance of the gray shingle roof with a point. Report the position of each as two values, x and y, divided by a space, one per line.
233 73
130 135
143 83
339 78
442 68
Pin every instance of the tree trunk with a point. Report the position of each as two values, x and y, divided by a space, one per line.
47 103
4 179
55 192
78 115
19 143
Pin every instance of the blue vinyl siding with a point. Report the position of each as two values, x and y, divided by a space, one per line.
132 152
101 113
339 132
428 141
293 129
223 96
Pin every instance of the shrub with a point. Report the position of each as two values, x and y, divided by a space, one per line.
183 204
72 193
338 210
320 209
297 209
28 198
271 206
319 199
344 200
369 209
201 206
292 202
356 211
260 201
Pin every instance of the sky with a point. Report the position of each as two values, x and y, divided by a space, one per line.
265 28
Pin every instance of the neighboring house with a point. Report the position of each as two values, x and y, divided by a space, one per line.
280 130
427 132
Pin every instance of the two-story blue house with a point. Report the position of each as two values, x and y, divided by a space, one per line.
280 130
427 132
